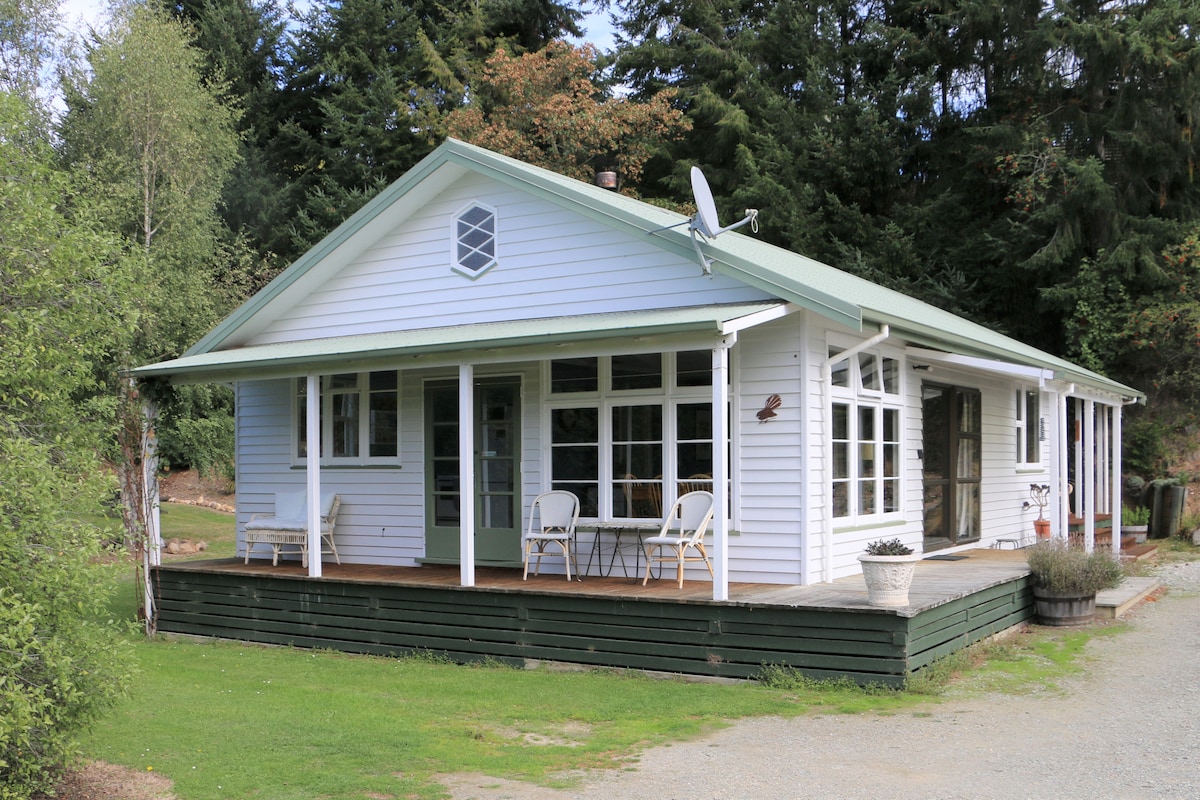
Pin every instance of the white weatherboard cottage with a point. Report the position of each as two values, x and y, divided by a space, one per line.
488 324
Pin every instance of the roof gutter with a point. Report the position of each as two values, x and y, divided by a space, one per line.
827 411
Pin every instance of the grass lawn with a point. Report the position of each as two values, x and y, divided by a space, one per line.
229 720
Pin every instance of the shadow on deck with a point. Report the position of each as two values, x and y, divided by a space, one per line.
824 630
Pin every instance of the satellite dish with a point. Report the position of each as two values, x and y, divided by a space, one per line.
705 223
706 209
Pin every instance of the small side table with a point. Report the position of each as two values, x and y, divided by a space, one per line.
618 530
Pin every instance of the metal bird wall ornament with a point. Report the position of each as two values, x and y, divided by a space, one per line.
768 409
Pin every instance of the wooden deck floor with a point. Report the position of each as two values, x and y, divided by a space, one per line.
937 581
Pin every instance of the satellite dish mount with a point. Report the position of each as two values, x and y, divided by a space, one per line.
705 222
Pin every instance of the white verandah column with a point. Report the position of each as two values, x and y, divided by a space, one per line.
312 467
721 484
466 474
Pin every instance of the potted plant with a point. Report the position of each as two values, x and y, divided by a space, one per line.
1135 522
888 571
1065 581
1039 493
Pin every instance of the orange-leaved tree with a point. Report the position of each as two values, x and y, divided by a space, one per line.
549 108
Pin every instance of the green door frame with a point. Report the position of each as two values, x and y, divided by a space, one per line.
497 471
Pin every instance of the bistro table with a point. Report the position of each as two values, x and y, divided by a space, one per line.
619 531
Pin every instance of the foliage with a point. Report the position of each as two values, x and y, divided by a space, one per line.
28 46
197 429
157 144
1062 568
888 547
1135 515
548 108
63 285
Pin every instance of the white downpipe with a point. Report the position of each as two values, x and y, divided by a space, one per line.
720 438
827 476
466 474
312 469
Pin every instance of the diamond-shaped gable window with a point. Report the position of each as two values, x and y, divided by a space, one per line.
475 237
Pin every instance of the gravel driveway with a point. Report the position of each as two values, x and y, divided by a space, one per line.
1128 728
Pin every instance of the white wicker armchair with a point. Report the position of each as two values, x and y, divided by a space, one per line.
289 526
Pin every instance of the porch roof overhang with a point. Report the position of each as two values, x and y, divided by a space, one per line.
512 339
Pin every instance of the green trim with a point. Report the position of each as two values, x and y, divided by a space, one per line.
862 528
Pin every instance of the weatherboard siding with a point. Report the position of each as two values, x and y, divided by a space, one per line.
551 262
768 455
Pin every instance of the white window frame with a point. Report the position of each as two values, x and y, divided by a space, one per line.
857 397
669 395
1024 427
456 256
366 419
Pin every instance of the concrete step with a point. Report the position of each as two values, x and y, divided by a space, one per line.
1113 603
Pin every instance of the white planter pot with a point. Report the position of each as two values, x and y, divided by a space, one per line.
888 578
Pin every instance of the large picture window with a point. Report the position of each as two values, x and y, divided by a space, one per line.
628 434
865 431
359 418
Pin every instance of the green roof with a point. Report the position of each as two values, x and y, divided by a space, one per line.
842 298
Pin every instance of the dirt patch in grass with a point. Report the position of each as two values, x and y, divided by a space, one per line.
195 489
97 780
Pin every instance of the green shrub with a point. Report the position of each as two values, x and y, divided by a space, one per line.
1062 568
1135 515
888 547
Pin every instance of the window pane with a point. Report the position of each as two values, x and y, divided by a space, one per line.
576 463
384 425
575 455
637 423
574 425
841 421
891 496
695 461
841 500
891 425
841 460
866 424
866 459
574 375
345 425
868 369
344 381
693 421
968 411
866 497
968 458
641 371
1032 429
891 376
693 368
840 370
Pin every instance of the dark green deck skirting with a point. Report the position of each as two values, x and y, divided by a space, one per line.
710 638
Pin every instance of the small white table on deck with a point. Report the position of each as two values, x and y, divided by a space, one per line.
618 530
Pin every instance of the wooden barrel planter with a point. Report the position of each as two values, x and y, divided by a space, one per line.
1063 609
